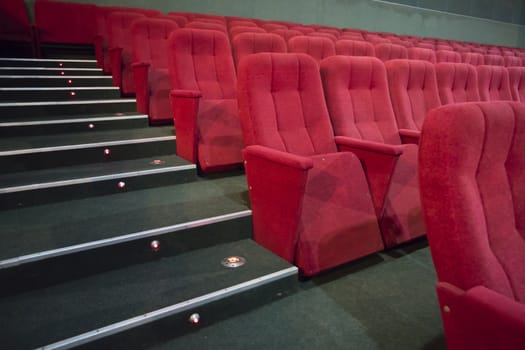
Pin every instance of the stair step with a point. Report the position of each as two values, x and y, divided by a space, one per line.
135 295
54 108
80 181
51 81
29 94
32 126
52 71
48 151
45 231
55 63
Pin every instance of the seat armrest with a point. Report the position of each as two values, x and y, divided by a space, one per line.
409 136
276 182
185 108
379 162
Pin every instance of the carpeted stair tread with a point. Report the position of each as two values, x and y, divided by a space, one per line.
83 305
31 118
29 230
88 137
26 178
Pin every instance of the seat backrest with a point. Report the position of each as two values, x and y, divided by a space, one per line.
418 53
181 20
493 82
119 28
303 29
448 56
475 59
150 40
470 173
517 83
282 106
286 34
387 51
315 46
201 60
323 35
65 22
349 35
273 26
234 31
444 47
425 45
512 61
457 82
208 25
15 21
356 91
249 43
413 91
494 60
241 23
354 48
103 13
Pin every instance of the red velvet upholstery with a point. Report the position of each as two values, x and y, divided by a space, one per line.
64 22
286 34
475 59
418 53
120 49
101 40
273 26
448 56
208 25
15 22
249 43
310 205
204 99
354 48
302 29
512 61
150 67
386 51
494 60
493 50
323 35
471 170
457 82
334 31
241 23
493 82
517 83
444 47
376 39
413 90
425 45
356 91
352 36
234 31
181 20
316 47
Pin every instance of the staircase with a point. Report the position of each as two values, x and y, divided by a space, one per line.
109 240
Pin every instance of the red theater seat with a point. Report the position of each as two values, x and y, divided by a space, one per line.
475 59
102 25
387 51
413 91
249 43
120 49
354 48
207 25
204 99
323 35
494 60
310 204
64 22
241 23
273 26
457 82
425 45
287 34
356 91
16 29
315 46
471 175
234 31
448 56
150 67
493 82
517 83
181 20
512 61
418 53
303 29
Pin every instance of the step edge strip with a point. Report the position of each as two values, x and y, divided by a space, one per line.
93 179
56 77
65 103
170 310
72 121
86 145
54 88
43 60
24 259
51 68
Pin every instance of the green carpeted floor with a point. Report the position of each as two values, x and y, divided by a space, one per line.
384 301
